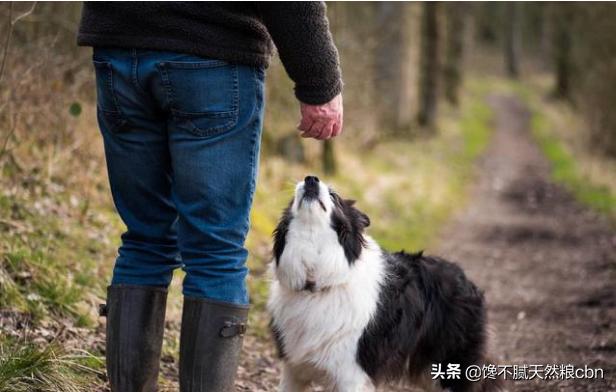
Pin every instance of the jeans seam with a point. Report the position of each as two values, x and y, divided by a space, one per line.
254 137
111 91
165 79
135 79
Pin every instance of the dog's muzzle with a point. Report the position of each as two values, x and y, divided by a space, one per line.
311 188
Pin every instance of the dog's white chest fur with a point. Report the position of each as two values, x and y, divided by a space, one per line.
320 330
312 254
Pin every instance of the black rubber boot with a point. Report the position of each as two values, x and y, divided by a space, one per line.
135 327
210 345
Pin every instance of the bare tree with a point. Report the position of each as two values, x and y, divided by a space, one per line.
328 158
429 65
391 66
9 33
454 48
562 19
510 50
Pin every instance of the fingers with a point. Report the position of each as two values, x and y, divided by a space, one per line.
310 131
320 131
326 132
305 124
315 130
337 128
321 122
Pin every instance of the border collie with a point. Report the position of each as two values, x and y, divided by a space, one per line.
350 316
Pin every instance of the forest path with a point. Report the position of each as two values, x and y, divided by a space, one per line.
546 263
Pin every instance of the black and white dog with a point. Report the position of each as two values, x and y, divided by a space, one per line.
350 316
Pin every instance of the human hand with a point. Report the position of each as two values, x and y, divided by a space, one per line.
322 122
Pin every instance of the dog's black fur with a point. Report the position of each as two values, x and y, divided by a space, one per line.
349 223
429 313
280 234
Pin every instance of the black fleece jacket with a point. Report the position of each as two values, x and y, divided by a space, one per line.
237 32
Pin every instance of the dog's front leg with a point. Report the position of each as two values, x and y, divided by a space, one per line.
353 379
291 382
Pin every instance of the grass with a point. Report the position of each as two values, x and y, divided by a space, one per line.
51 262
565 168
28 367
47 266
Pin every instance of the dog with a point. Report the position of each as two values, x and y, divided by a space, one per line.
351 316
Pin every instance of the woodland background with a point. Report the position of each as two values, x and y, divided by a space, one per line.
416 75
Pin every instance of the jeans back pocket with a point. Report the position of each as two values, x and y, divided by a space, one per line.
203 96
107 105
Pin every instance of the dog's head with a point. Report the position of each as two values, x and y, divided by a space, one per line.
321 219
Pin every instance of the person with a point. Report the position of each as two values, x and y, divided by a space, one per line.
180 99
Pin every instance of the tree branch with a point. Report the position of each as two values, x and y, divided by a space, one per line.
7 42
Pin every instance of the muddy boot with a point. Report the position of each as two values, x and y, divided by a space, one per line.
210 345
135 326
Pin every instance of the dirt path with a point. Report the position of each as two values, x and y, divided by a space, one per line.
547 266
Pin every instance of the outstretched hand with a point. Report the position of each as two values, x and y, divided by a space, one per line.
322 122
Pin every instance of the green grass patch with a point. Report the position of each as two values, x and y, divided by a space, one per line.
565 171
476 129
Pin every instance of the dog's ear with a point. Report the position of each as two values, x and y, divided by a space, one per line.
364 219
361 218
349 224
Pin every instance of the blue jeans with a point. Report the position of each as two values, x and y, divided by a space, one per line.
182 136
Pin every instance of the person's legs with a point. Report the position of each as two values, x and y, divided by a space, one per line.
139 167
214 132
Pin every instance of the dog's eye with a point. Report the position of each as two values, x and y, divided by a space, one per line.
335 198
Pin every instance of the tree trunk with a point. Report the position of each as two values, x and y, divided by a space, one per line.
510 25
328 158
454 47
391 66
562 19
428 72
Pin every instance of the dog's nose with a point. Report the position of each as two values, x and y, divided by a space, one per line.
311 187
311 180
